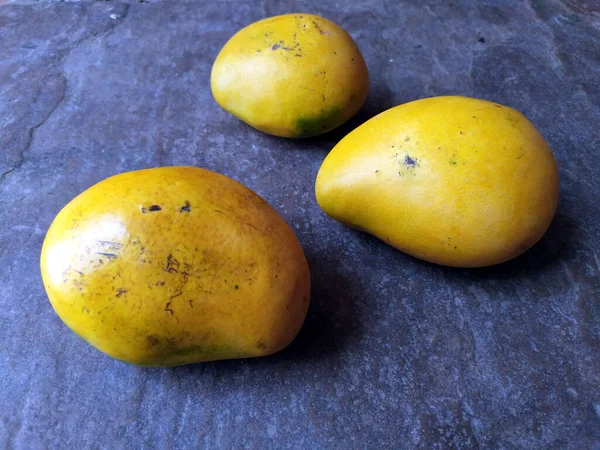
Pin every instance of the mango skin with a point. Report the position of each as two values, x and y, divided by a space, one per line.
452 180
175 265
295 75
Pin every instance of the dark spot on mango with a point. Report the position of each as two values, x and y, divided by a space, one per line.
185 207
320 123
152 340
172 265
317 26
275 46
410 161
155 208
110 256
261 345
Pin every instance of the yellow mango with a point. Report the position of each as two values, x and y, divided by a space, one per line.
175 265
295 75
452 180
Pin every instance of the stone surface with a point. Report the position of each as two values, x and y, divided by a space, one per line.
395 352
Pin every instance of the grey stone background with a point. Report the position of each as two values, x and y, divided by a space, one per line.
395 352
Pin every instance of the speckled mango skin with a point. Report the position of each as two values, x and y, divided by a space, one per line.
452 180
295 75
175 265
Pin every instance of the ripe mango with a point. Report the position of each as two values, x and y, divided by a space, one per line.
295 75
175 265
452 180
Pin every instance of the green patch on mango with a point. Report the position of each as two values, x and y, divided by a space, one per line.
326 120
173 355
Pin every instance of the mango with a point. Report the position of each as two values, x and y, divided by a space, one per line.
295 75
175 265
452 180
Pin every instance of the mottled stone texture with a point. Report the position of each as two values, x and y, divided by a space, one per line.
395 352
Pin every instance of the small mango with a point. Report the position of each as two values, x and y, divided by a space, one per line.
295 75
